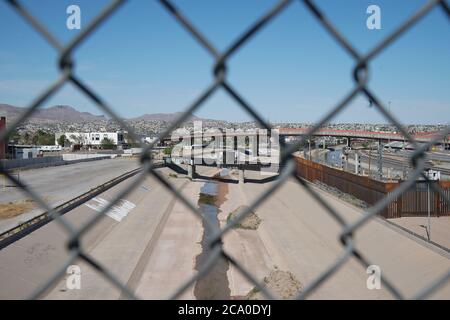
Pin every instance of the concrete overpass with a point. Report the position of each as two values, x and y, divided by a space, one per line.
225 158
233 145
360 134
285 132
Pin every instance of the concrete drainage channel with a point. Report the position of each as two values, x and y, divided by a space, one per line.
214 285
10 236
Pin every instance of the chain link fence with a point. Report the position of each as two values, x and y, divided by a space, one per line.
216 252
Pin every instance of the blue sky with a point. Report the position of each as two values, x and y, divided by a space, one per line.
142 61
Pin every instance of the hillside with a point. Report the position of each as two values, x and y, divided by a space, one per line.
53 114
168 117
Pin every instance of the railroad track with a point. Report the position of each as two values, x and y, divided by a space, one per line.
405 162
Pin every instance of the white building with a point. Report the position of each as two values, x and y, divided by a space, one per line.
91 139
96 138
24 151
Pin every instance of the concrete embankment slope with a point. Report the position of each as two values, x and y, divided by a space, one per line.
300 236
173 260
117 241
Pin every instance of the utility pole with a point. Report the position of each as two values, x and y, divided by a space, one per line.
356 162
429 212
404 155
310 149
380 160
432 176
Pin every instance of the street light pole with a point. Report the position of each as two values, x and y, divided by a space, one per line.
432 176
429 212
310 149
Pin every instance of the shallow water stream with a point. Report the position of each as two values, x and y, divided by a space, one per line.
214 285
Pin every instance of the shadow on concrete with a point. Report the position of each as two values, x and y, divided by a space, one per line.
180 170
176 168
264 180
225 180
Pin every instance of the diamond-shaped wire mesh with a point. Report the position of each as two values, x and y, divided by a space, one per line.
360 72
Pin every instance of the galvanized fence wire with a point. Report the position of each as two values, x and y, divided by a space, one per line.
288 167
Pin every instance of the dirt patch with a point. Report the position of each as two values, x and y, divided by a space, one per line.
221 193
14 209
341 195
250 222
282 284
207 199
234 173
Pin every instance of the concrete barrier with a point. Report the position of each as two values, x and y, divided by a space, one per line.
133 151
83 156
43 162
34 162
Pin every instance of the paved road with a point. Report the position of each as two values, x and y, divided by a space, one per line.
62 183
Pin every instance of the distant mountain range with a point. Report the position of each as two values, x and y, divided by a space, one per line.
57 114
163 117
52 114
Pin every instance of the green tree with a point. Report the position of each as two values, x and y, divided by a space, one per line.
62 140
44 138
168 150
26 138
34 139
132 141
107 143
77 138
15 137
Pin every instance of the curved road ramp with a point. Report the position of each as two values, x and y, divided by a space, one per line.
151 242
